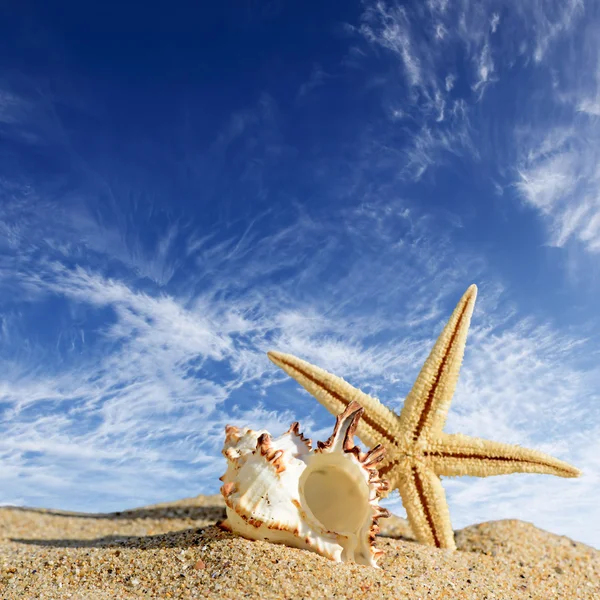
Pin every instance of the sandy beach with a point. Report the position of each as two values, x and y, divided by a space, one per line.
175 550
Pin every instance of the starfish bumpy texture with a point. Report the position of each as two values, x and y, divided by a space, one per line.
418 452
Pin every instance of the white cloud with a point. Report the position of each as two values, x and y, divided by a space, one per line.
590 106
9 107
439 6
552 20
390 28
485 68
494 22
434 119
538 25
317 78
431 145
560 177
146 391
557 137
589 98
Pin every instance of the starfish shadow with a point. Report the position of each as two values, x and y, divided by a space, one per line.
397 536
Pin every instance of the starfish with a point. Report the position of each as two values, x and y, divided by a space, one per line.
418 452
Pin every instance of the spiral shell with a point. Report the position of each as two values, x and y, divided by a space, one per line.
325 500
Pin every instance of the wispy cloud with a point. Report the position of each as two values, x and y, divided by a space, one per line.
390 27
432 145
149 378
317 78
560 178
485 69
430 113
552 20
138 404
9 105
553 139
422 101
494 22
419 102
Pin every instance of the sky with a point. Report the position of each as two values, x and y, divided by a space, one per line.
185 186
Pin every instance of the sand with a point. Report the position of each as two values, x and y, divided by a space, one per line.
175 551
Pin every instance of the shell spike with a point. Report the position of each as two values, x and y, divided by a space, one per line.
374 456
263 444
228 489
295 430
231 433
273 455
342 438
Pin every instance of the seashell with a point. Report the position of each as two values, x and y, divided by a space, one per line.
325 500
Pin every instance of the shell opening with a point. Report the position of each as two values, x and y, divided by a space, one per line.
336 494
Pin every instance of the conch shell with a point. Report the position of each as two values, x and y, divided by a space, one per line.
325 500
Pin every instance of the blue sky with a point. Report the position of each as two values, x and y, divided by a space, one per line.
184 187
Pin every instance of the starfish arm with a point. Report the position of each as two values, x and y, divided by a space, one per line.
424 500
427 404
379 425
458 454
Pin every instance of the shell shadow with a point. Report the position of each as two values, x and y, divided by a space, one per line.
207 516
186 538
205 513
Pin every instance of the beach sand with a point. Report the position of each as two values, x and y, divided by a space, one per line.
174 550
